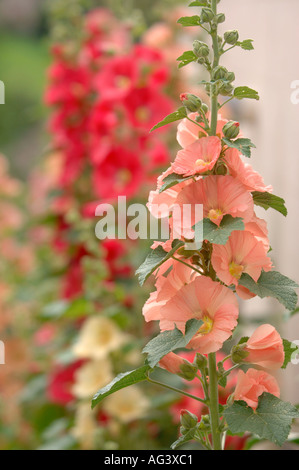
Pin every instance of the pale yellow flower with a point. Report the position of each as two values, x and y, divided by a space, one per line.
98 337
91 377
126 405
85 426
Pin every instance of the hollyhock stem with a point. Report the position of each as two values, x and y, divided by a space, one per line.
214 96
214 402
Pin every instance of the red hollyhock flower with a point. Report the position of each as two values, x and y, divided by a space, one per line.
61 382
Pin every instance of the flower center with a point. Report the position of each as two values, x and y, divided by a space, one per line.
122 82
142 114
207 325
236 270
201 162
215 214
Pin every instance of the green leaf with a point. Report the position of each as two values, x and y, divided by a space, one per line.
172 180
169 341
246 44
181 113
121 381
290 351
272 284
186 58
155 259
243 92
271 420
243 145
189 20
219 235
267 200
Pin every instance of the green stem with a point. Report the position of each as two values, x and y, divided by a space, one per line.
186 264
214 95
194 122
214 402
174 389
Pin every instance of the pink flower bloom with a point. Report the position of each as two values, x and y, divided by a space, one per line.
265 348
258 227
188 132
243 253
253 384
198 157
208 301
219 195
166 287
244 172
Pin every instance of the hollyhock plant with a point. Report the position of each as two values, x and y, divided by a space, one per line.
230 258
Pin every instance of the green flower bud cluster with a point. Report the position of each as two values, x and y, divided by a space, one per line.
231 37
231 130
192 102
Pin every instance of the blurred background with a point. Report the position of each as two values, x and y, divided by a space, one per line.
60 289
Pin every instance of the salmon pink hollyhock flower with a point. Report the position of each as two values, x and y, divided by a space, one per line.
243 253
258 227
166 288
265 348
173 363
208 301
253 384
244 172
219 195
189 132
199 157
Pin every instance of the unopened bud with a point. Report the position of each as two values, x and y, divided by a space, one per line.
188 420
238 354
207 15
220 18
226 90
230 77
221 169
220 73
205 108
188 371
231 130
200 49
191 102
201 361
231 37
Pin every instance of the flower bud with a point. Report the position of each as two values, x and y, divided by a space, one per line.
220 18
230 77
188 371
221 169
191 102
231 37
226 90
200 49
238 354
220 73
201 361
205 108
207 15
188 420
231 130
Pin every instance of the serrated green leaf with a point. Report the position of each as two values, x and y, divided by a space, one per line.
246 44
272 284
219 235
271 420
186 58
169 341
267 200
184 438
290 352
155 259
181 113
189 20
121 381
243 145
172 180
243 92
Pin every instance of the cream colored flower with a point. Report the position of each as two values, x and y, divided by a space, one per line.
90 377
126 405
99 336
85 426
